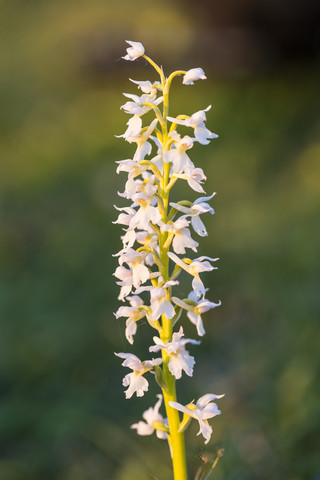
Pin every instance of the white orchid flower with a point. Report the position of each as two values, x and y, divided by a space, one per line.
177 156
131 167
195 267
195 309
135 51
159 304
140 273
137 105
180 360
146 86
134 188
143 146
193 75
202 410
128 238
194 178
134 128
124 218
197 208
133 315
131 188
126 281
196 121
154 421
181 235
147 239
135 381
146 213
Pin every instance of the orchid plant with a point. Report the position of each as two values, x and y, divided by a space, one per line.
157 233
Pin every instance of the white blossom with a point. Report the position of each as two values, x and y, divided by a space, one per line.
146 187
133 314
135 381
195 309
146 86
140 273
195 267
159 303
181 235
202 410
193 75
147 239
129 238
197 208
194 178
153 420
146 213
135 51
131 167
134 132
134 128
180 360
124 218
137 104
143 146
196 121
126 281
177 156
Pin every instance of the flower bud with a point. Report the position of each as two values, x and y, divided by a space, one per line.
135 51
193 75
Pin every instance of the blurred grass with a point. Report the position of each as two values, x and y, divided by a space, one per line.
62 413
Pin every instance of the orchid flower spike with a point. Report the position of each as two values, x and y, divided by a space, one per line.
157 234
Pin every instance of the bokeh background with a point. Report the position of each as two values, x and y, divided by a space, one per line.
63 415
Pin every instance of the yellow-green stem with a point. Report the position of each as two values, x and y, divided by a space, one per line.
176 440
177 444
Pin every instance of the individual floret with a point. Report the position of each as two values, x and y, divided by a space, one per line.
180 359
154 421
202 410
135 381
136 50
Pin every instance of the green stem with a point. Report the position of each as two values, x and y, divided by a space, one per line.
156 67
176 439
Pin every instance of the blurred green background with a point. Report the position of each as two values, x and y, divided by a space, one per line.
63 415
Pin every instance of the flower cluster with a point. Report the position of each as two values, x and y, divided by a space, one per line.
157 234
